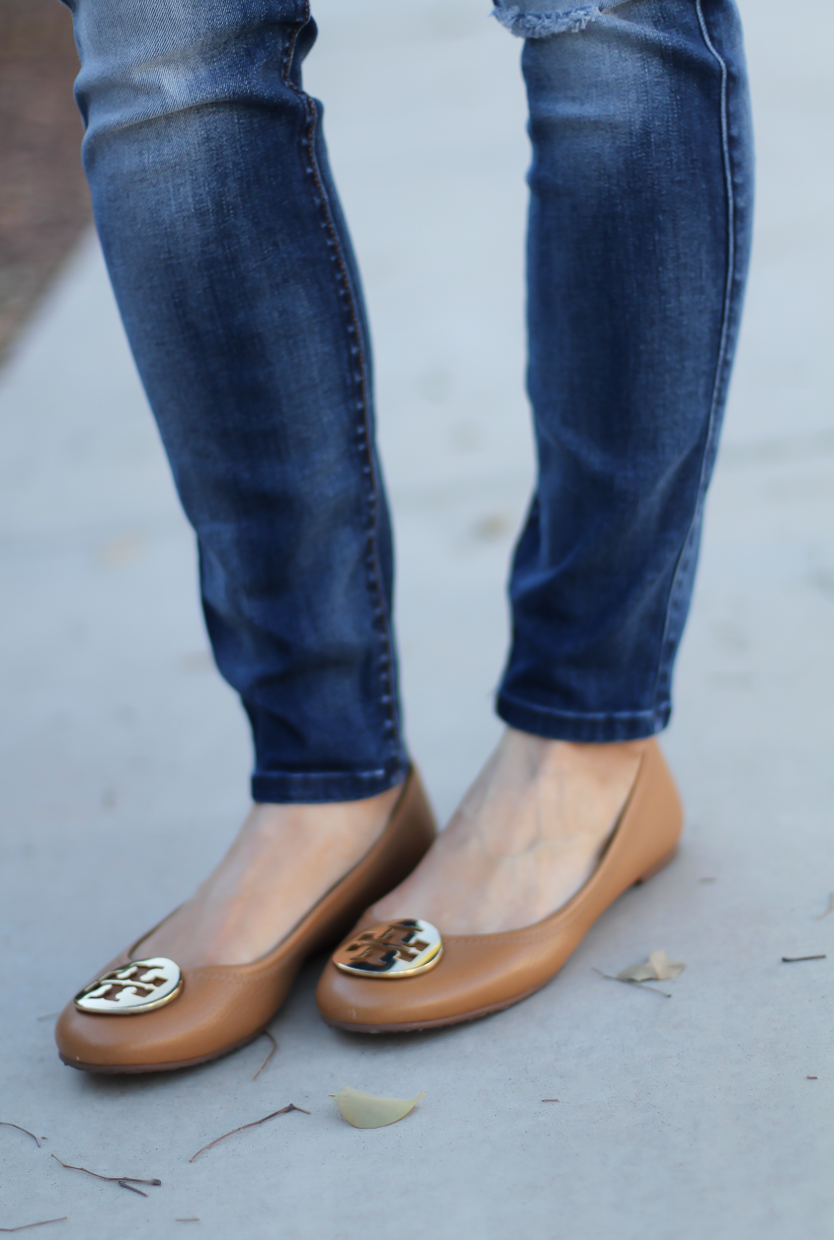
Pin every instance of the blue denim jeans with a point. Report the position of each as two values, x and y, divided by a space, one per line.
235 277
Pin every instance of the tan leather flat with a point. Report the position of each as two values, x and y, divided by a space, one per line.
151 1016
395 977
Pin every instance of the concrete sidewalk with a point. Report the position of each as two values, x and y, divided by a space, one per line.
120 747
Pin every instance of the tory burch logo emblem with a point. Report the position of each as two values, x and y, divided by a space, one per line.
401 948
138 986
140 979
398 941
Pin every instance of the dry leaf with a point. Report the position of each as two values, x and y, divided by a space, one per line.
658 968
368 1111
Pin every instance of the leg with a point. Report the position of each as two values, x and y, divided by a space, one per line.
641 188
236 282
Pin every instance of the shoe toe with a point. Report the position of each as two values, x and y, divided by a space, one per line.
215 1013
477 974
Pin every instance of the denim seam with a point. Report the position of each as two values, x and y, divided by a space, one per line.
319 786
683 558
372 562
590 715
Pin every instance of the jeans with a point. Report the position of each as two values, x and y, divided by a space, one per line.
234 274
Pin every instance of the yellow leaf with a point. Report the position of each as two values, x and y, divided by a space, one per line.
658 968
367 1111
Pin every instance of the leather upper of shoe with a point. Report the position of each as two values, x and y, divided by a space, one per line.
221 1006
481 972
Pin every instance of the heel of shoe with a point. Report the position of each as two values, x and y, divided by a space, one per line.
658 866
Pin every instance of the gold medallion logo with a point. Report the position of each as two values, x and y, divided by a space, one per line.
392 949
140 986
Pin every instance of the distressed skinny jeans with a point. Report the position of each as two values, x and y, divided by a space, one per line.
234 274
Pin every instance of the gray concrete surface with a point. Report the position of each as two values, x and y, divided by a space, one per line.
124 759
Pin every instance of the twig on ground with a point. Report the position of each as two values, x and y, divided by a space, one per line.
266 1034
4 1123
796 959
186 1220
243 1127
627 981
830 908
124 1181
550 1099
49 1016
42 1223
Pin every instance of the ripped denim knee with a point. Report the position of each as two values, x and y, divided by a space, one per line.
540 21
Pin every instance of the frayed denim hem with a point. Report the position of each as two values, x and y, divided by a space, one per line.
320 787
599 729
526 25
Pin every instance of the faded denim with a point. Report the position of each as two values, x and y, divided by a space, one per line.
235 277
641 193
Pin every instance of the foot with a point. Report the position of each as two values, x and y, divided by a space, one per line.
284 859
528 834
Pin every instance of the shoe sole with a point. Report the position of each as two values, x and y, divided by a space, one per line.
439 1022
136 1069
416 1026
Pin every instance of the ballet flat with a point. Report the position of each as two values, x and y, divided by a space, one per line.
148 1015
394 977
